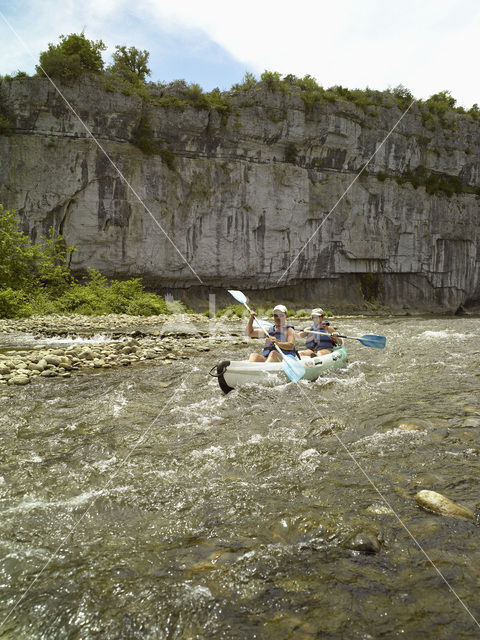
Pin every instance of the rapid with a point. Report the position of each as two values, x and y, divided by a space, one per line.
142 502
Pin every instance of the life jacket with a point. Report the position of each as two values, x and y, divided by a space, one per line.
315 342
279 333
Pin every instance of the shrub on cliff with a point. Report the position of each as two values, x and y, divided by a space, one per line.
130 64
72 57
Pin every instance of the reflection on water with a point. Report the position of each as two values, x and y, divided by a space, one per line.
233 515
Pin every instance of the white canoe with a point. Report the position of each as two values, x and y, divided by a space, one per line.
234 373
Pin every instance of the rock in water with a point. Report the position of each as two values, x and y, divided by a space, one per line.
433 501
365 543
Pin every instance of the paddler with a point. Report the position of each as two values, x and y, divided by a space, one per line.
319 345
281 334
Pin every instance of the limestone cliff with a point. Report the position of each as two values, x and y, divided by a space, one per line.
245 192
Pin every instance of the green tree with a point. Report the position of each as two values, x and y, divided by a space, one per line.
72 57
130 64
17 255
52 263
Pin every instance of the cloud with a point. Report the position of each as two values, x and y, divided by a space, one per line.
427 46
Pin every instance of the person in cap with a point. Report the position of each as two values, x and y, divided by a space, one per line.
319 345
281 334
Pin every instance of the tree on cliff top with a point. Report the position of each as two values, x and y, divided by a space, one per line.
72 57
130 64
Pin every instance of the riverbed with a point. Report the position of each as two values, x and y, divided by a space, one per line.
142 502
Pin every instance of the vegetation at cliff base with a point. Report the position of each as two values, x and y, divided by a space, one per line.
35 279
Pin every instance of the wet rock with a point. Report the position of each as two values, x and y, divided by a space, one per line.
435 502
365 543
53 359
4 370
48 373
409 427
35 366
86 354
19 380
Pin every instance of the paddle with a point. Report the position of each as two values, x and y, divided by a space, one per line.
368 340
293 368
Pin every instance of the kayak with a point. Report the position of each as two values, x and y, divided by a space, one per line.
235 373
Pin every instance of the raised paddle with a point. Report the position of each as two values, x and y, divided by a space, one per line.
368 340
293 368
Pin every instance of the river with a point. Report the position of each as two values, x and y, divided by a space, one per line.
174 512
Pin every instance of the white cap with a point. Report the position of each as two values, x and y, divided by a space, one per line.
280 307
317 312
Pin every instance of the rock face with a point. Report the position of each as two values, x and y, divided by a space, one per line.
245 193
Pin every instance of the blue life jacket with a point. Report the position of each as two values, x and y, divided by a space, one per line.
324 341
279 333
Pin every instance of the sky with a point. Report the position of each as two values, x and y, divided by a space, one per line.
425 45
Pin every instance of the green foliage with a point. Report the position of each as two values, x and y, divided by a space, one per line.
436 182
233 310
291 152
52 263
249 81
17 255
34 278
14 304
130 64
273 81
144 140
403 96
72 57
97 297
5 125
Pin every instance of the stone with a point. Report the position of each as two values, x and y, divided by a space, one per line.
365 543
53 359
409 427
436 502
48 373
86 354
35 366
19 380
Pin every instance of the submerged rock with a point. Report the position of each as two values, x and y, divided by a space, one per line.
433 501
365 543
407 426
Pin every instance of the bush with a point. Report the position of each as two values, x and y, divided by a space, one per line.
14 304
72 57
5 125
144 140
233 310
249 82
130 64
17 255
98 297
273 81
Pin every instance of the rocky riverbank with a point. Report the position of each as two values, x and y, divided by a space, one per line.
120 340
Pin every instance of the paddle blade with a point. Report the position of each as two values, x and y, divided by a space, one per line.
239 296
264 324
294 369
376 342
